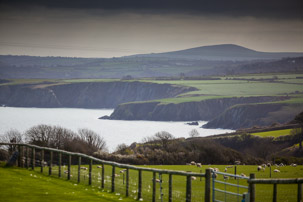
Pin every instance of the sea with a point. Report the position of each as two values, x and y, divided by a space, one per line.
114 132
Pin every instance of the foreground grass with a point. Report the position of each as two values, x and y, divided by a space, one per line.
25 185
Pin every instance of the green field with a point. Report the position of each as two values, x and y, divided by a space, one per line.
263 192
274 133
232 86
26 185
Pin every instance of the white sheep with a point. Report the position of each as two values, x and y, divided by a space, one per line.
225 177
122 171
225 170
276 171
193 163
199 165
193 178
99 166
83 168
259 168
243 175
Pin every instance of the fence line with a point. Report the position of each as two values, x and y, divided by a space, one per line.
30 162
33 148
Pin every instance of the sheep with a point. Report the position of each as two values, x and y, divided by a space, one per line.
243 175
268 164
193 178
229 166
293 165
188 164
263 169
211 169
83 168
276 171
99 166
193 163
259 168
216 169
225 177
264 165
237 162
225 170
199 165
66 171
117 175
122 171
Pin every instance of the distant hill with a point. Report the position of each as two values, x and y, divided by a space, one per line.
225 52
200 61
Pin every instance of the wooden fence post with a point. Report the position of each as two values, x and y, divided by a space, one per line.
33 158
19 156
252 187
50 163
154 187
188 188
299 192
90 172
79 168
102 176
60 163
68 168
139 184
170 188
42 160
274 199
26 158
207 185
113 179
127 181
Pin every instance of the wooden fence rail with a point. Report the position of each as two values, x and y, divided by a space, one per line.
91 159
252 182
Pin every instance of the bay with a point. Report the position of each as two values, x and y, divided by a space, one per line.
114 132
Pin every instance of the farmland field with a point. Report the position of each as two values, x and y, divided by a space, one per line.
263 192
275 133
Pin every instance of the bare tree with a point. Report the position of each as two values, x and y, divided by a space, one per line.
164 138
92 139
39 135
12 136
194 133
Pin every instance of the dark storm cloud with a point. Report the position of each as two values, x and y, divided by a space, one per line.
255 8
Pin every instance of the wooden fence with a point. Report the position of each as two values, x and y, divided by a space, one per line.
28 152
252 182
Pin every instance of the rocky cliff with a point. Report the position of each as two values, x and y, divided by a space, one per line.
191 111
86 95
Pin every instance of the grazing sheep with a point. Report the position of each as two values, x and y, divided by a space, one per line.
211 169
243 175
225 177
83 168
193 178
122 171
66 171
193 163
276 171
237 162
264 165
225 170
293 165
281 165
268 164
117 175
263 169
216 169
158 181
99 166
199 165
259 168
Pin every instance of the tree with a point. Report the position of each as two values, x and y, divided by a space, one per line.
164 138
93 140
12 136
194 133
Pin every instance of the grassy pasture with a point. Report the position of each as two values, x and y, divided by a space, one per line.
263 193
30 186
275 133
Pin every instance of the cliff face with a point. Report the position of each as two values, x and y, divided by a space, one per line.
189 111
86 95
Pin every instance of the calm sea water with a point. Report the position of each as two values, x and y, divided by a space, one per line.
113 131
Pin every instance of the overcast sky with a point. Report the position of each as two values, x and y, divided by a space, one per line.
112 28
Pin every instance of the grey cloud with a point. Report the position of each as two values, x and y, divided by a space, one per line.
255 8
